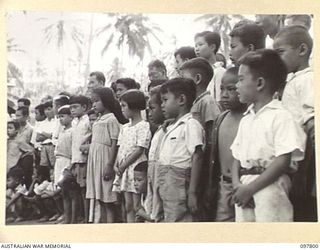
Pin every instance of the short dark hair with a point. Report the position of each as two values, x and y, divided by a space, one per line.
41 109
233 71
155 91
180 86
157 64
15 123
185 53
266 63
250 33
129 83
156 82
47 104
211 38
24 110
141 167
295 35
64 110
134 98
61 100
99 75
79 99
199 66
306 19
25 101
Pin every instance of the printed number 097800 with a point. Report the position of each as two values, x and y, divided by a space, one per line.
309 245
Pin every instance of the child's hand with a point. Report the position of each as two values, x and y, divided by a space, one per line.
84 148
193 203
108 173
242 196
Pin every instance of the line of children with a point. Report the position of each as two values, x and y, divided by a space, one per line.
253 162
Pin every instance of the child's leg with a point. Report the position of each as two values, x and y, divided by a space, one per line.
75 205
107 212
129 207
66 206
59 202
136 202
86 203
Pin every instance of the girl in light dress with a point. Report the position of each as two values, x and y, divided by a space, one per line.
102 155
134 140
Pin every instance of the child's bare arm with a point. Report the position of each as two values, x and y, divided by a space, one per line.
131 159
141 214
108 171
235 174
194 179
278 167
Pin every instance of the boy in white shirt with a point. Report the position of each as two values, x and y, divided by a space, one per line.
267 140
180 152
294 45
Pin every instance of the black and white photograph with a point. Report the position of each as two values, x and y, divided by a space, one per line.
159 118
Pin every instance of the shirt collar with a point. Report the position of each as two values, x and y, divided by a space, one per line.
181 120
274 104
298 73
200 96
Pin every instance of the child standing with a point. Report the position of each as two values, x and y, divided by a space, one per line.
155 117
225 130
267 140
134 140
205 110
102 153
207 44
294 45
81 132
63 157
45 137
180 152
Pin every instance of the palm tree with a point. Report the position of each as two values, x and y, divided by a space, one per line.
131 31
60 32
221 24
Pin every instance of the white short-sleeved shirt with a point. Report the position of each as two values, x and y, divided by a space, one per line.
81 131
298 95
267 134
180 141
154 146
214 85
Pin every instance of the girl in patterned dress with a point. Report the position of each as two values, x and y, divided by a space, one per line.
102 154
133 142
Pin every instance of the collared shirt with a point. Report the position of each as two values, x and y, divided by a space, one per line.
15 149
180 141
214 85
63 147
298 95
81 131
267 134
25 133
204 108
58 128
